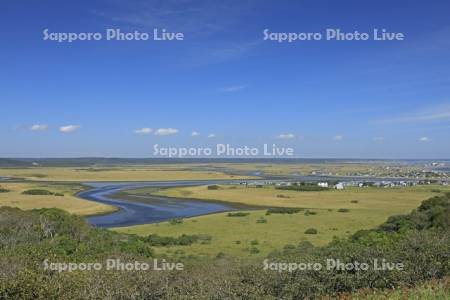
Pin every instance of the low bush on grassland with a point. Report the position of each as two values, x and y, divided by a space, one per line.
238 214
283 210
41 192
311 231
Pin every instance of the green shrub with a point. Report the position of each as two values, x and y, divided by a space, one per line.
282 196
261 220
254 250
213 187
183 240
37 192
176 221
2 190
283 210
311 231
343 210
238 214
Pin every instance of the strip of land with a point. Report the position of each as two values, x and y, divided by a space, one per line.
151 173
47 195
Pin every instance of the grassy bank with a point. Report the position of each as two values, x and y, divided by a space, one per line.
332 213
55 196
390 200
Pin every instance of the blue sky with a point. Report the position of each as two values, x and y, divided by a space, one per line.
360 99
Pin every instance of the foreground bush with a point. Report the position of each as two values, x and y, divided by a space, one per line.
183 240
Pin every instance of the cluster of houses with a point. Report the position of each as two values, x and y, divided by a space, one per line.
379 184
344 184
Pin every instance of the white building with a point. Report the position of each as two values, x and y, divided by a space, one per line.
323 184
339 186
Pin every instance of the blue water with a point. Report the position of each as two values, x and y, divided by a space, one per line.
159 209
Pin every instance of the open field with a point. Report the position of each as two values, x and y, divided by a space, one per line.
148 173
391 200
236 236
245 236
68 202
329 169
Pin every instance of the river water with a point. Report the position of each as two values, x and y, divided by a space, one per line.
155 209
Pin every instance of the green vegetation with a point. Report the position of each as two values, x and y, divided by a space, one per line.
38 192
419 240
176 221
343 210
213 187
310 213
261 220
183 240
283 210
3 190
238 214
316 210
431 290
311 231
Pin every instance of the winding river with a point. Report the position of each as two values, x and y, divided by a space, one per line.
158 209
155 209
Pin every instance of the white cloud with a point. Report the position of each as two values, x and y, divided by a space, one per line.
144 130
233 88
69 128
39 127
338 138
211 135
378 139
166 131
195 133
424 139
286 136
434 113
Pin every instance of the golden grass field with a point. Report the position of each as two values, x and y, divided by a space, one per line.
393 200
149 173
68 202
374 206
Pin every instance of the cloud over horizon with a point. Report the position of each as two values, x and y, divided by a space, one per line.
285 136
39 127
338 138
69 128
166 131
144 130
